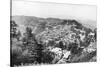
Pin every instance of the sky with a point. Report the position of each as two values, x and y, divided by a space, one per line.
45 10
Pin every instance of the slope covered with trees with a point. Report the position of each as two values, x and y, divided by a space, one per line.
51 41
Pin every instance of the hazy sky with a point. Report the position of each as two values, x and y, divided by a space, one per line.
39 9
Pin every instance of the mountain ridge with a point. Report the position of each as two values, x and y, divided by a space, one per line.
32 20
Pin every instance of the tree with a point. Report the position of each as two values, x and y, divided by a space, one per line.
28 37
30 42
13 29
16 52
18 35
38 50
95 36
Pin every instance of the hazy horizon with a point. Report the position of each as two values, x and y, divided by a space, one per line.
54 10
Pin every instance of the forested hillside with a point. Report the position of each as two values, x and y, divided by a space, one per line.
51 41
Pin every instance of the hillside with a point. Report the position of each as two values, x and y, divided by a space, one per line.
62 40
34 20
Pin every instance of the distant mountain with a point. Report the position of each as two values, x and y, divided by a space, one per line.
89 23
26 20
40 23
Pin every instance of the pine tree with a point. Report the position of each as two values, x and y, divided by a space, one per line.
27 39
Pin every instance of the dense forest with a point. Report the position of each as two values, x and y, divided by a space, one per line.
50 41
